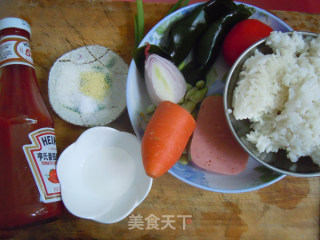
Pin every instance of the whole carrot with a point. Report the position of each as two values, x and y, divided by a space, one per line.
165 138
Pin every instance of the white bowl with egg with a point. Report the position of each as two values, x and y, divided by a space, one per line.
102 176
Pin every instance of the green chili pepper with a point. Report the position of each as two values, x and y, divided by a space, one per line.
209 44
218 8
192 72
185 32
211 41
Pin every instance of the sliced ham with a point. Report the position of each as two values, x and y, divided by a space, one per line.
213 147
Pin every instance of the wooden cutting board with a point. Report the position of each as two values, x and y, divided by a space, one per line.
288 209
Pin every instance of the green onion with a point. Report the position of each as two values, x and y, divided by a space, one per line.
179 4
139 23
139 18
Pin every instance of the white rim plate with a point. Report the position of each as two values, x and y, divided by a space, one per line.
255 176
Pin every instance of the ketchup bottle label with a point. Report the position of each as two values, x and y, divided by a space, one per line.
42 158
15 49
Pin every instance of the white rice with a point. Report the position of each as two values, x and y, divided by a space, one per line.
280 94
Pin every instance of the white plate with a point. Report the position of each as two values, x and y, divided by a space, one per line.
255 176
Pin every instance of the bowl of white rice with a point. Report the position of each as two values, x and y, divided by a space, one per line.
272 102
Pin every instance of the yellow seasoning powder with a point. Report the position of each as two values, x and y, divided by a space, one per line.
94 84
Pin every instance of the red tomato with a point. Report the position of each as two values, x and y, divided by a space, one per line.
242 36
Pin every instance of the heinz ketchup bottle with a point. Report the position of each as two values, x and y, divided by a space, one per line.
30 190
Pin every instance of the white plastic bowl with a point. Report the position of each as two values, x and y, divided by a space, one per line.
102 176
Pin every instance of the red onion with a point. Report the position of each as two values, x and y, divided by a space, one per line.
164 80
